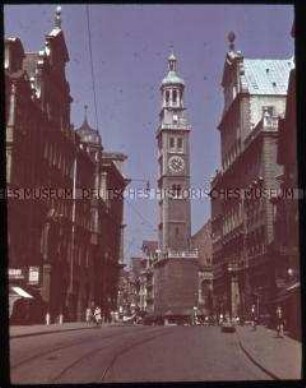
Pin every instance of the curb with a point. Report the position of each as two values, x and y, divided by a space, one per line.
251 358
47 332
12 336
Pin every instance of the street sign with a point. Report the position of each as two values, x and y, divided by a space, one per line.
207 275
34 275
15 273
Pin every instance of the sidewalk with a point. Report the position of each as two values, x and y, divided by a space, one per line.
281 358
31 330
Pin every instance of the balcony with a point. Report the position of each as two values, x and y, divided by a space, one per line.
266 124
176 126
184 254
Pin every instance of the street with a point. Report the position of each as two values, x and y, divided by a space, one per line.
131 353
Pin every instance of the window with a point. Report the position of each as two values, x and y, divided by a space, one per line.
174 95
269 109
176 231
54 159
59 162
167 97
46 151
175 119
176 191
87 258
171 142
180 143
50 155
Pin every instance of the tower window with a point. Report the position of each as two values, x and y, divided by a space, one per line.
180 143
171 142
176 191
167 97
174 96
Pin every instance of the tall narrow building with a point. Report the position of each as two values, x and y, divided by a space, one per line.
243 235
176 270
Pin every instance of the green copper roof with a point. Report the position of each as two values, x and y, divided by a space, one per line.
172 78
268 76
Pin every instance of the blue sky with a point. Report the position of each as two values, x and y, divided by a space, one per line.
130 48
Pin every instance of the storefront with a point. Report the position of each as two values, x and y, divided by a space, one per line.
25 302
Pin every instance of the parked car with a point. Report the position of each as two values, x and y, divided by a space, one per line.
129 318
228 327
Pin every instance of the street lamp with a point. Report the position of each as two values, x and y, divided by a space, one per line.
253 187
46 265
230 295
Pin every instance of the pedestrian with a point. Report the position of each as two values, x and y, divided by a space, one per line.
253 317
221 319
88 315
280 322
98 316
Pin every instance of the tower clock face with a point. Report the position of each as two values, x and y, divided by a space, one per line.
176 164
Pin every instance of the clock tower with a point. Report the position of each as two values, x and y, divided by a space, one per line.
176 270
174 167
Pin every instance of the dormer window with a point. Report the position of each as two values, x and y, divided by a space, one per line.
269 109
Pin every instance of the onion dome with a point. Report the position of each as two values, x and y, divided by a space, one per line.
172 77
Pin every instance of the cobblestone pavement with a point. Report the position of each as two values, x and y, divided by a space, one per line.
280 357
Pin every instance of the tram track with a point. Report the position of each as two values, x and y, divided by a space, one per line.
63 347
122 351
157 332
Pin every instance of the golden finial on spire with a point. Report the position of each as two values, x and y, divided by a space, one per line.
58 18
172 59
231 38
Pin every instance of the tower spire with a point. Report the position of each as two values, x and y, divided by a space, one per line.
172 60
171 49
85 113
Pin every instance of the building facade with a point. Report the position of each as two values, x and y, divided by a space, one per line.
242 213
203 243
150 250
40 152
175 273
286 243
64 193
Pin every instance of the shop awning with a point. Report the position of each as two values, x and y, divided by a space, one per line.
286 293
21 292
294 286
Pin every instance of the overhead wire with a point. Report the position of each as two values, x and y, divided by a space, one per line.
92 67
141 216
144 219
